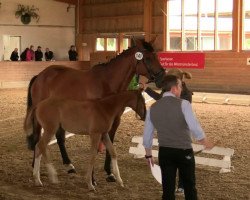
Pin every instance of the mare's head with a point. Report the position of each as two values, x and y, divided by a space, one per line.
148 64
140 105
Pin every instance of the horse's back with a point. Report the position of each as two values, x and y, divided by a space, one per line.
65 82
79 117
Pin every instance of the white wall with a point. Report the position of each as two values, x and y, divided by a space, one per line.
55 29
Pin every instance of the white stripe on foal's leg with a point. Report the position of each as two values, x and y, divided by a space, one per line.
36 171
117 172
52 173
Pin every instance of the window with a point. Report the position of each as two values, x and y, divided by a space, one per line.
106 44
246 25
111 44
100 44
125 43
199 25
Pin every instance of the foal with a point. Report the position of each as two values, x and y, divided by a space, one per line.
94 118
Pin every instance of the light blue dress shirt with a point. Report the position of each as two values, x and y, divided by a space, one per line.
192 122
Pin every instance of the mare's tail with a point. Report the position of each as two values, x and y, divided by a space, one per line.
29 119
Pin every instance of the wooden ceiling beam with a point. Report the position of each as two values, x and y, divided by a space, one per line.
74 2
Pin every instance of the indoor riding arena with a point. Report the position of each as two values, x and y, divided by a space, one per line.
209 40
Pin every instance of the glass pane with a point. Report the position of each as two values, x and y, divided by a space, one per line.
100 44
246 25
190 24
175 42
207 24
225 24
207 42
125 43
111 44
175 15
175 25
191 43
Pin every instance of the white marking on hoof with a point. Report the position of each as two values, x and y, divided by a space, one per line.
38 183
36 171
70 169
91 187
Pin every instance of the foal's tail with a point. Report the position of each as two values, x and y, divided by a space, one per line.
29 119
28 127
29 98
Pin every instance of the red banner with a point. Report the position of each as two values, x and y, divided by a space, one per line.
182 60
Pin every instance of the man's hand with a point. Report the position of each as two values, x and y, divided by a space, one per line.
206 143
150 161
149 157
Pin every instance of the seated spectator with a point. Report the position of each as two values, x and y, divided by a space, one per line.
73 55
30 55
23 54
48 55
38 54
14 55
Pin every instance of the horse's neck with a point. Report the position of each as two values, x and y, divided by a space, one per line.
120 71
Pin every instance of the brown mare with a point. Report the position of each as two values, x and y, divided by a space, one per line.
102 80
92 117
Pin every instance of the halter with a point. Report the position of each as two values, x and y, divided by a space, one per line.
154 77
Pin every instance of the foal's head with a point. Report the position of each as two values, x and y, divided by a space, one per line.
140 108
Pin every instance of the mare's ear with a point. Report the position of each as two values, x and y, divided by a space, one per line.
152 40
138 43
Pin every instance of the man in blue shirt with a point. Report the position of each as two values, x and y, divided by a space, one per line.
175 122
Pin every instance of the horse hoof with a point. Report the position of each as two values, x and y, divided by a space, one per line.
72 171
111 178
92 188
54 180
38 183
94 183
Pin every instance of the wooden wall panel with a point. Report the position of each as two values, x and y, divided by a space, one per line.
18 74
112 17
114 25
224 72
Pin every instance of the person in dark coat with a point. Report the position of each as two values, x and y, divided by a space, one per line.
73 55
23 54
14 55
38 54
49 55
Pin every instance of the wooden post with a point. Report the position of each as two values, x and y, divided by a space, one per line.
147 26
237 26
165 38
120 42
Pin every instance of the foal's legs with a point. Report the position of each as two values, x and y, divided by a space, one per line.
95 139
107 165
41 149
60 136
36 136
106 140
